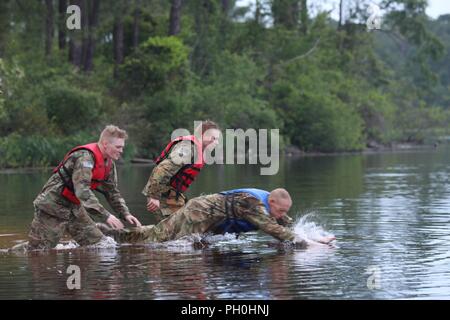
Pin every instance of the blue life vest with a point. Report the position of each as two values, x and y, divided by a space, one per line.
233 225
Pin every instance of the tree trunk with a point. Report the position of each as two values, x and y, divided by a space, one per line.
304 16
285 13
75 46
84 28
49 27
225 6
224 24
118 43
4 25
258 12
175 17
293 13
90 46
340 14
62 7
75 52
136 19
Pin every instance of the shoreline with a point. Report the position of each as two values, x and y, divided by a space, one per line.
379 149
289 152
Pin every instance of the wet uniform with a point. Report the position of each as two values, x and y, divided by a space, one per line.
54 214
158 186
206 214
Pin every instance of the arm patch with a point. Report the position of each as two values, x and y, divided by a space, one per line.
87 164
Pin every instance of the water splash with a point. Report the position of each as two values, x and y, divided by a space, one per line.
67 245
309 230
104 243
221 238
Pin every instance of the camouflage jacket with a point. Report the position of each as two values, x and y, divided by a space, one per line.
158 184
80 165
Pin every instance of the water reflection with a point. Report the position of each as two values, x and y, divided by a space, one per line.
389 211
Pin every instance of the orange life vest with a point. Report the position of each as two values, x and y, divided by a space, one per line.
100 171
187 174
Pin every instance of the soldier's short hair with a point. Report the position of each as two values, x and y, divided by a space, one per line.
112 131
280 193
205 126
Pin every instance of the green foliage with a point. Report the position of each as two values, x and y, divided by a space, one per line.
157 62
417 122
327 87
72 109
315 118
233 91
154 117
21 108
39 151
25 151
10 75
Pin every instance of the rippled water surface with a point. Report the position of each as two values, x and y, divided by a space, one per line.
390 213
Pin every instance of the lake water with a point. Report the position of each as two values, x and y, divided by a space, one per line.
390 213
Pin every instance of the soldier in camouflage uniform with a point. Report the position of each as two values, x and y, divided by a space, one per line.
234 211
167 183
57 212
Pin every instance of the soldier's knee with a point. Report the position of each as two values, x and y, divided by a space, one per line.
42 236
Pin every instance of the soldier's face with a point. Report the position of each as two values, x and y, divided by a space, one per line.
210 138
279 207
114 148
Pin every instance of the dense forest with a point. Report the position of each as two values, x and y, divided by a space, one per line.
151 66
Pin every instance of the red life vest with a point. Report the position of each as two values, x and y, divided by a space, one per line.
186 175
100 171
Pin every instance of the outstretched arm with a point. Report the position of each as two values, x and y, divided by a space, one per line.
261 219
112 194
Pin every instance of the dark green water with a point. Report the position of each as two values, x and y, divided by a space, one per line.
390 213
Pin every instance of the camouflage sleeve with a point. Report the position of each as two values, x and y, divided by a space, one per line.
81 178
286 221
261 219
159 180
112 194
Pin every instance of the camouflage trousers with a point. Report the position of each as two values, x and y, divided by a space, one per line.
198 216
47 229
168 205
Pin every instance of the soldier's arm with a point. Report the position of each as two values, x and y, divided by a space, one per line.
81 178
112 194
286 221
159 180
260 218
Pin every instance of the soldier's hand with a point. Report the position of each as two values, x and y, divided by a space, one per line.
326 239
114 222
152 205
133 220
299 242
